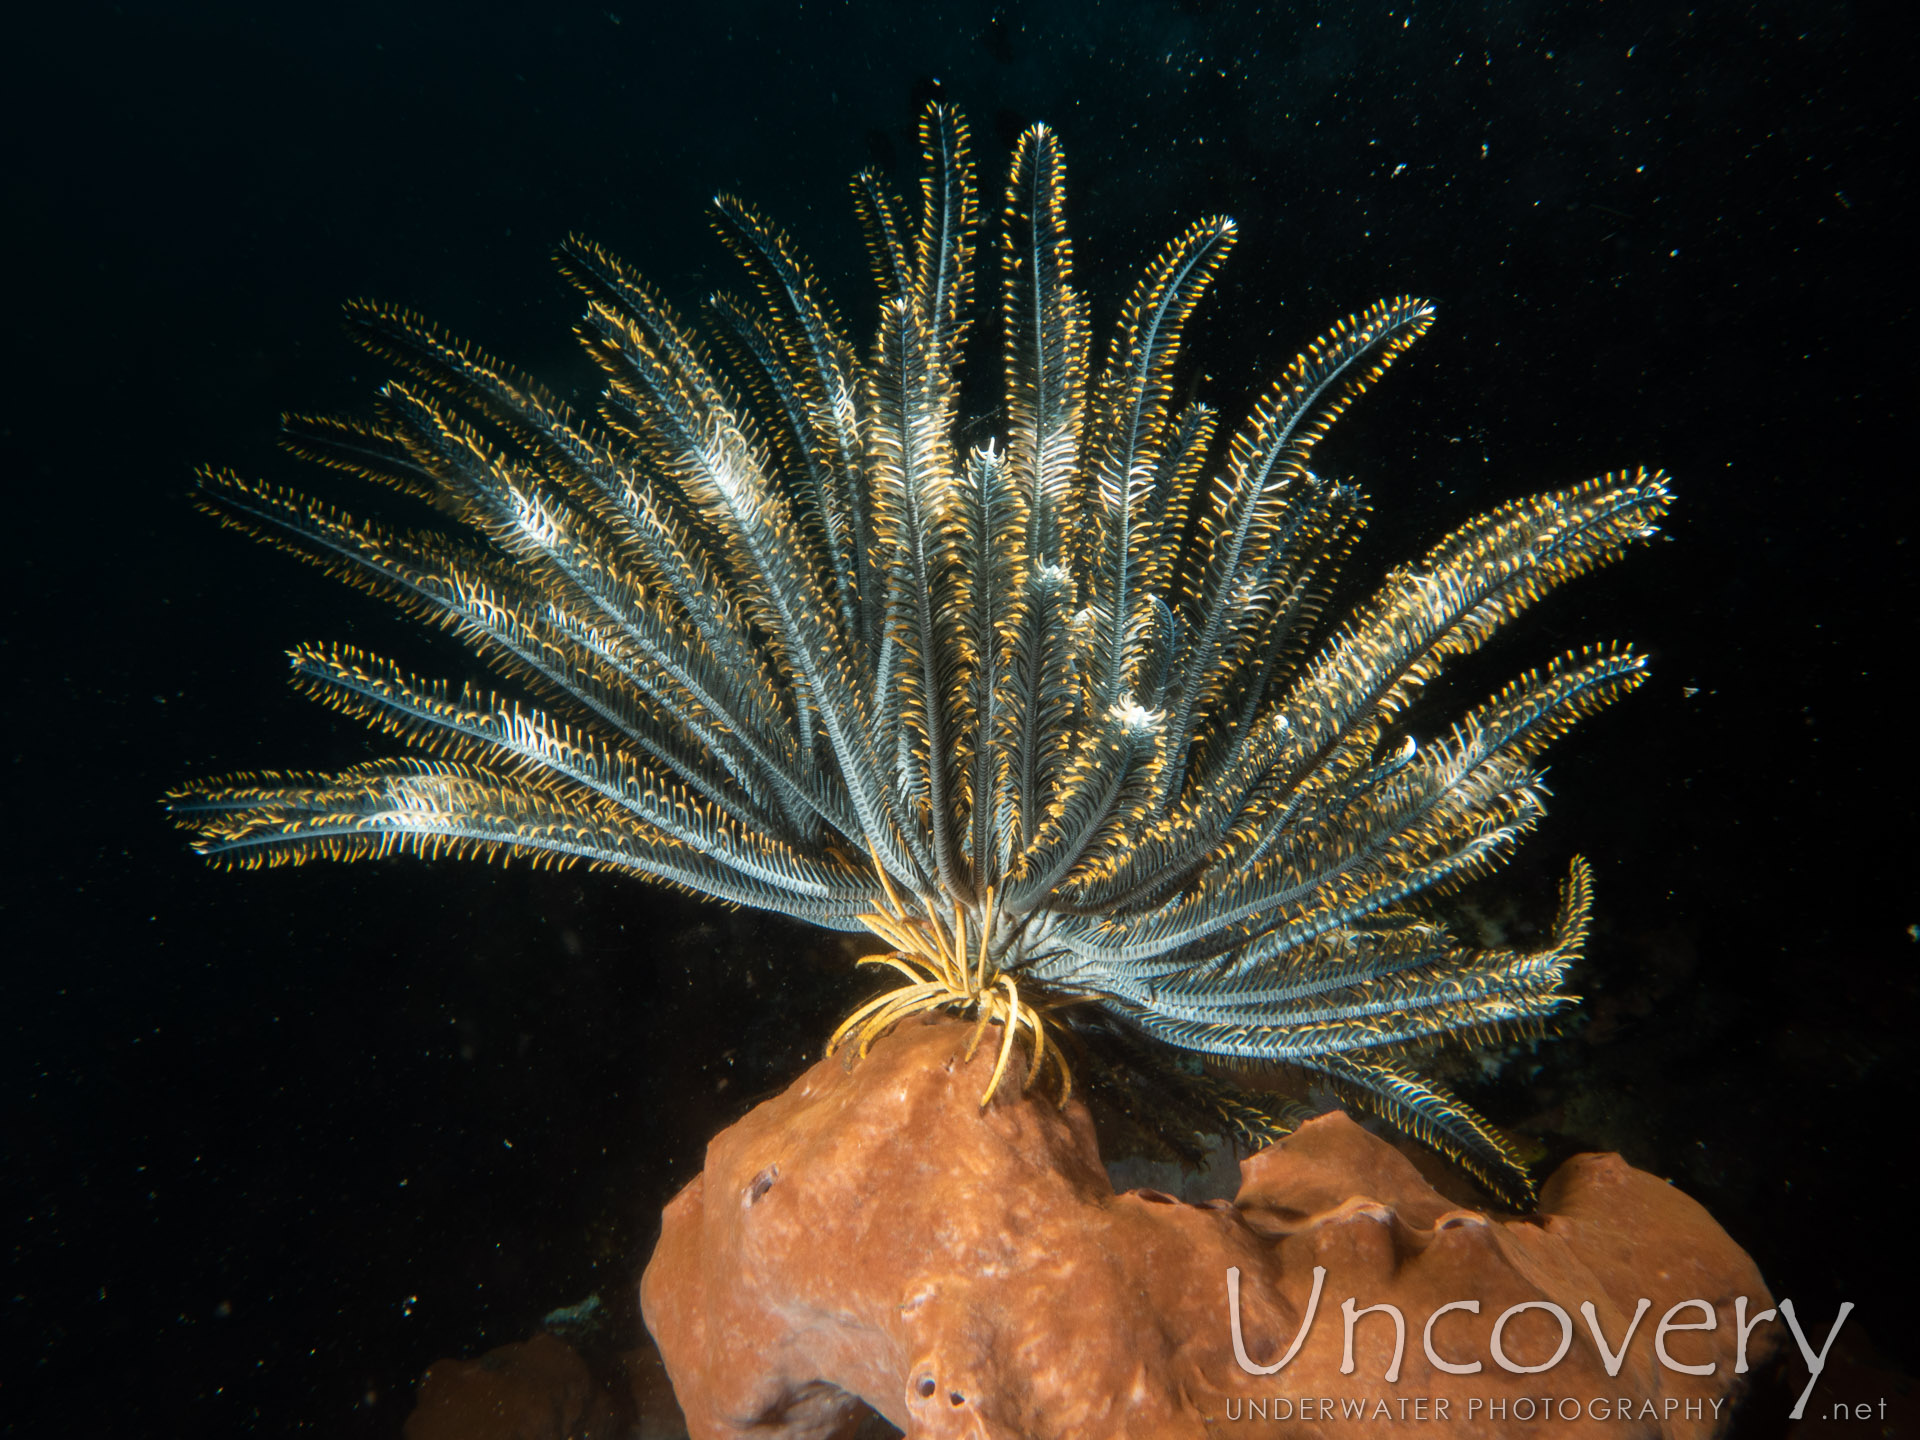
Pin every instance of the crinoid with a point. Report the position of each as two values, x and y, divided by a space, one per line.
1057 717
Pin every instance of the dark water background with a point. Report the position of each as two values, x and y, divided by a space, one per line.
273 1142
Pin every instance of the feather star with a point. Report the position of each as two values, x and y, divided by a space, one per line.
1060 718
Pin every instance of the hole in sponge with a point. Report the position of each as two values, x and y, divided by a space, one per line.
762 1183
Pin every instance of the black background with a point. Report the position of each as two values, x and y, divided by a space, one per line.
273 1142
